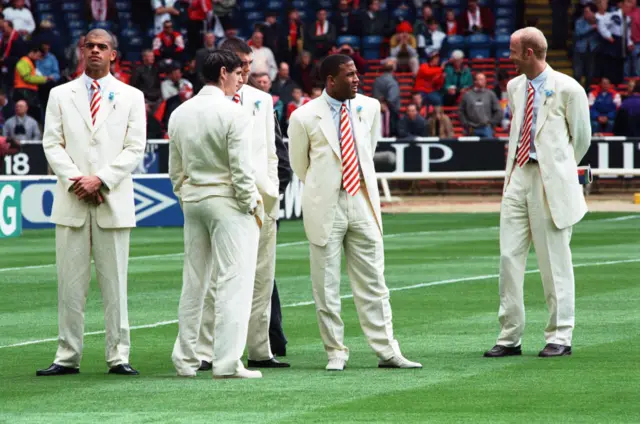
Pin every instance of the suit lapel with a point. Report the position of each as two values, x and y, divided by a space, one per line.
107 105
80 99
545 102
357 127
328 126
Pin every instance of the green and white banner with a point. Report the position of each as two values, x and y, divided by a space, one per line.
11 219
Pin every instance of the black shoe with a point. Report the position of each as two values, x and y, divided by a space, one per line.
205 366
56 369
552 349
280 352
501 351
123 369
269 363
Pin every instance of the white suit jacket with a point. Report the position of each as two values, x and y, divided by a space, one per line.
258 107
210 150
314 150
562 138
111 150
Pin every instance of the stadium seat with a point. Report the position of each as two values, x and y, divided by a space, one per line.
303 14
506 3
452 4
352 40
123 6
371 46
501 41
277 5
76 25
479 52
327 4
102 25
71 7
298 4
503 31
502 52
505 23
485 3
248 5
504 12
46 16
478 40
401 13
44 7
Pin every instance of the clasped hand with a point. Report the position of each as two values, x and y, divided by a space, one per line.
87 188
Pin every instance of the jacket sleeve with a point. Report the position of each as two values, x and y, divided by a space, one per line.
578 122
134 143
239 152
53 143
298 146
176 170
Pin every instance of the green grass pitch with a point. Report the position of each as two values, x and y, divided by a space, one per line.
442 270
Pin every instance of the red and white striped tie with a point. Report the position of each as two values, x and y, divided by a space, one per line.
350 166
95 101
236 98
522 154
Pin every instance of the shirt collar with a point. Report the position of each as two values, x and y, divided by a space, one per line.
211 90
538 81
335 104
104 81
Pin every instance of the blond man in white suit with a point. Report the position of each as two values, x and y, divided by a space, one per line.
542 199
332 140
210 169
94 137
258 108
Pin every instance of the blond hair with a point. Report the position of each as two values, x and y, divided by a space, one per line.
532 38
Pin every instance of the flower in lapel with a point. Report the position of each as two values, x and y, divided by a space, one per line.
359 111
112 95
256 107
547 93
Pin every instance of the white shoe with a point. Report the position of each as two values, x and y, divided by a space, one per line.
336 364
243 373
398 361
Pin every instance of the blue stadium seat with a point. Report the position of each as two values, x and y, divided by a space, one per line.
479 53
248 5
485 3
46 16
304 15
44 7
298 4
401 13
124 16
71 7
327 4
253 17
505 23
123 6
506 3
503 31
277 5
371 54
129 33
132 56
505 12
452 4
371 41
102 25
502 40
352 40
502 53
77 33
456 42
73 16
478 40
76 25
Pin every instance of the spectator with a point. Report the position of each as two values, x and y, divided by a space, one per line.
345 20
146 77
164 10
617 44
375 22
321 36
45 34
27 81
271 31
457 74
439 124
346 49
47 66
316 92
450 22
75 59
201 54
263 58
633 62
13 48
303 72
559 23
476 19
412 124
431 41
154 127
168 46
403 48
603 103
230 31
627 122
21 18
283 84
7 109
197 14
500 89
388 119
421 26
297 100
480 110
423 108
21 126
386 85
101 11
175 84
191 75
291 39
8 146
430 79
586 43
223 10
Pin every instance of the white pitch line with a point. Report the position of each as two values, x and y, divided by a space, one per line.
301 243
348 296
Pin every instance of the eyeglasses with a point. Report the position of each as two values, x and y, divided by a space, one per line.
101 46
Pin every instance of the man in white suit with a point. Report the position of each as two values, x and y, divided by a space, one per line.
94 137
210 169
258 108
332 140
542 198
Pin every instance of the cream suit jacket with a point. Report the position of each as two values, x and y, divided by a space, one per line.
258 107
314 150
111 150
562 138
210 150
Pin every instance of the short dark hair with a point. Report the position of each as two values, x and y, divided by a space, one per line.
431 21
592 7
235 45
330 65
215 61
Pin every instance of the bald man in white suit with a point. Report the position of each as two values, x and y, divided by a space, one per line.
542 198
332 140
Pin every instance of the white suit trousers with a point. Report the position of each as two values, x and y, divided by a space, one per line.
356 230
258 345
220 245
525 216
110 251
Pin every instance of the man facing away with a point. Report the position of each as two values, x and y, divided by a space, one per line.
332 142
210 170
94 137
542 198
258 112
